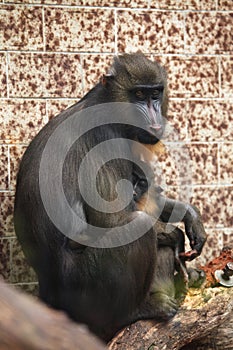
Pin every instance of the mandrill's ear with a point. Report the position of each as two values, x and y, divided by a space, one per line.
106 79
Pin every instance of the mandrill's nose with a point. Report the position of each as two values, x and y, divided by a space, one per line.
157 130
155 127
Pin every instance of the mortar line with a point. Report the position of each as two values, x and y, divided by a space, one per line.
43 28
115 32
8 166
7 75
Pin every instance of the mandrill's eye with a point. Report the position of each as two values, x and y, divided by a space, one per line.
155 94
143 183
140 95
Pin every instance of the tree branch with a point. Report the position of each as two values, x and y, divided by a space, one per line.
200 314
27 324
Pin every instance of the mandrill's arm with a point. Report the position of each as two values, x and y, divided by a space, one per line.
171 210
149 199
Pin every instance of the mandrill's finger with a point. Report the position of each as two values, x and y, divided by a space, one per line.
189 233
190 255
199 243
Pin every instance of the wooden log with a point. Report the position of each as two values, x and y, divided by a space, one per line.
27 324
201 314
220 338
205 321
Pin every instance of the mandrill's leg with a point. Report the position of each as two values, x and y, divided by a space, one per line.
171 236
170 277
163 290
160 303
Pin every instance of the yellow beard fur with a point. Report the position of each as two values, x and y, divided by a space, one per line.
147 202
148 157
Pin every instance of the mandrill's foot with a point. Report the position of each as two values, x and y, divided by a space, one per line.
166 306
160 305
196 277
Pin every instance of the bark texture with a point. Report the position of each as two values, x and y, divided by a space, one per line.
205 321
27 324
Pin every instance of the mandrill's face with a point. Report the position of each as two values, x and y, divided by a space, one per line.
148 100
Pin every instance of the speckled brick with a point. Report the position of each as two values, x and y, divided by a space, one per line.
193 76
22 28
27 75
228 238
31 288
6 214
210 121
227 76
21 120
184 4
165 170
177 118
79 30
54 107
63 78
225 5
204 163
209 32
213 245
216 205
47 75
171 192
94 67
5 259
3 82
16 153
20 270
173 166
188 165
4 180
150 31
226 163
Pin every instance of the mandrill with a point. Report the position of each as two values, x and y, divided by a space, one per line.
105 267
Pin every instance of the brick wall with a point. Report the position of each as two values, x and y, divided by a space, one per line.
53 51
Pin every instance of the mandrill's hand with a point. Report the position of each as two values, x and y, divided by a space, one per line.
176 211
195 231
